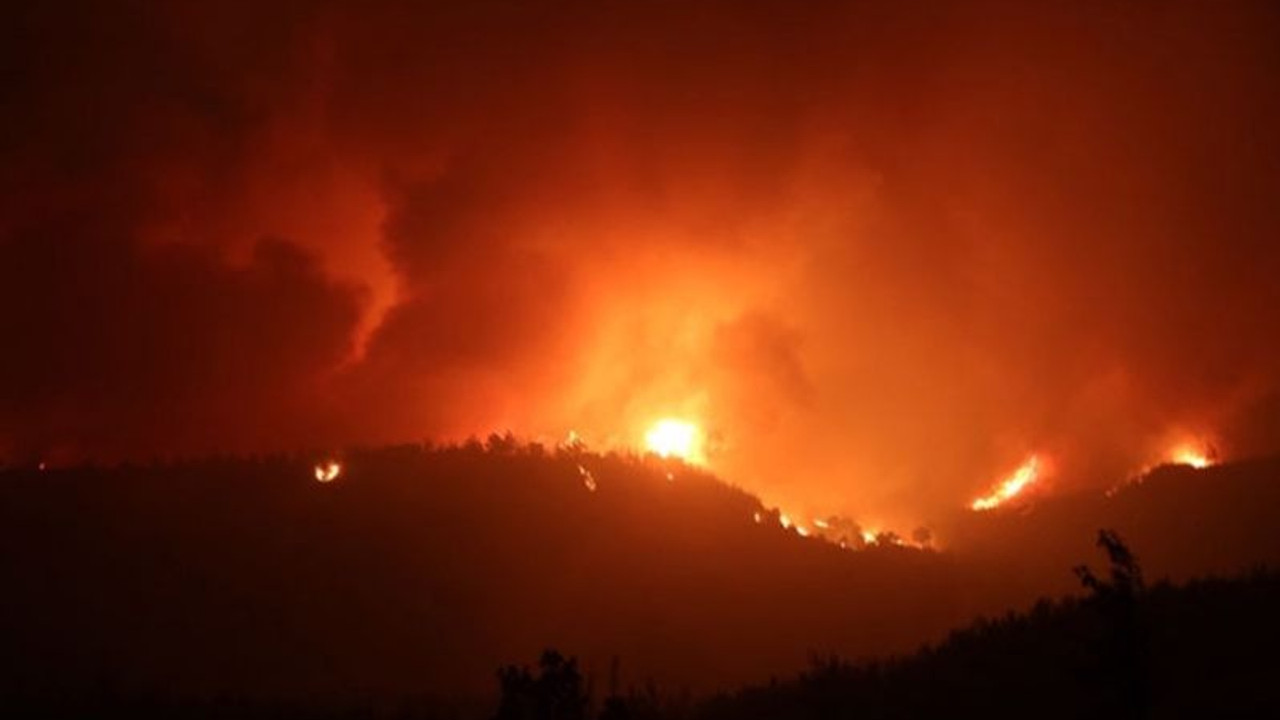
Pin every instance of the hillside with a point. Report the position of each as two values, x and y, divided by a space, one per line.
1206 649
1184 523
421 570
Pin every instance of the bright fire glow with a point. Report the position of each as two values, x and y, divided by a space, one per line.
1190 455
675 438
588 480
328 471
1025 475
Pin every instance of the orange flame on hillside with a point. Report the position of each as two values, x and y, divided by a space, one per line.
673 438
1193 455
588 480
328 471
1196 454
1023 477
843 532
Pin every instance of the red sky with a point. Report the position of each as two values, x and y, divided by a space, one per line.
879 251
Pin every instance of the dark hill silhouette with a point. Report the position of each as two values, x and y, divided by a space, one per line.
1206 649
1188 522
420 570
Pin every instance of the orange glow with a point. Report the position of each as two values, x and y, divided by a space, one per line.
573 442
833 531
675 438
328 471
1024 476
588 480
1192 455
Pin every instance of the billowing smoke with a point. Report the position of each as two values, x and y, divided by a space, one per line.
879 252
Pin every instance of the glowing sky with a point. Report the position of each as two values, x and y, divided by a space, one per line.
880 253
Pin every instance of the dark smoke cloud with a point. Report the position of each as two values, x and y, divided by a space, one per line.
881 252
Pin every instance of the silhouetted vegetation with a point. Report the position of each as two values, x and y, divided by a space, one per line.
556 692
1207 649
418 570
245 588
1121 669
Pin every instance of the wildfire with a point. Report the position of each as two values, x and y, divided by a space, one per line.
588 480
844 533
328 471
670 437
1196 454
1024 476
1192 455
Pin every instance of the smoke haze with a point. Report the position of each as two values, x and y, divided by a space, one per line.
880 252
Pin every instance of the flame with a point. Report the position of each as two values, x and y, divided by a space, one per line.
328 471
1195 456
843 532
588 480
886 538
572 442
1024 476
670 437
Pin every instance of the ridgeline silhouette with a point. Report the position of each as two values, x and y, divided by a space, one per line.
419 569
1206 649
1122 651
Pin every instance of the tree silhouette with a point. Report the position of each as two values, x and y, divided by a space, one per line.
1122 662
557 692
1126 575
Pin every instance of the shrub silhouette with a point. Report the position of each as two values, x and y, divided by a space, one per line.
1122 654
556 693
1126 575
1125 650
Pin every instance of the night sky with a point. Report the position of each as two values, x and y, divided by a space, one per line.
878 252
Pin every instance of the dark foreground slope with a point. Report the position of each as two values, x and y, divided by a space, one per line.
1205 649
420 571
1208 649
